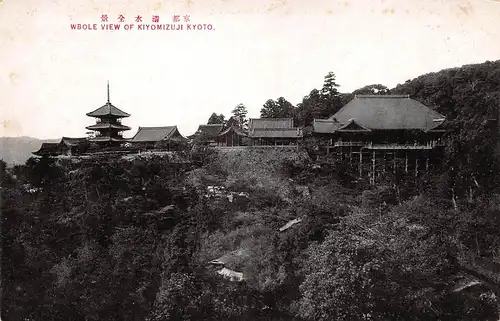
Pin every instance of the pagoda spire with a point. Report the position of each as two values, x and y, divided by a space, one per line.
108 91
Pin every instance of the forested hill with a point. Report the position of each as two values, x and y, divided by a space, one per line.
133 238
469 97
467 92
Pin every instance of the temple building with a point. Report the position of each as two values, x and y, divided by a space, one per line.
232 134
67 146
228 134
166 137
380 134
108 126
273 132
48 149
73 146
207 134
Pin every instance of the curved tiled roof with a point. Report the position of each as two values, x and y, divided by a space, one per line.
388 112
70 141
47 149
274 123
107 126
273 128
325 126
108 110
106 139
209 130
276 133
154 134
235 129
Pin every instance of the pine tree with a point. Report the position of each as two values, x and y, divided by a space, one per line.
240 113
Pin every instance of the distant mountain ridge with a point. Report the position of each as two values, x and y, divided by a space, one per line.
17 150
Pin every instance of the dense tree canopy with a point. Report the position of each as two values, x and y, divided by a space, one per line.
377 89
240 114
469 98
320 103
216 119
281 108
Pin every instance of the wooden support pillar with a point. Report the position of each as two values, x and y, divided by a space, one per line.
383 163
416 166
427 162
394 157
360 163
373 167
406 162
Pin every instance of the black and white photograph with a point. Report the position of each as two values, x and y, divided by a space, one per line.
266 160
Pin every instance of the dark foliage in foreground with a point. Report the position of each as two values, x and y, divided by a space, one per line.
129 240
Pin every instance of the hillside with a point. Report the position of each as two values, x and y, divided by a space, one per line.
16 150
469 97
234 238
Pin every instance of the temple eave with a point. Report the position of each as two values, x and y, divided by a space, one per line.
99 127
107 139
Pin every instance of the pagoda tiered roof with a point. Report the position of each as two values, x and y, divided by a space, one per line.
100 126
100 139
108 110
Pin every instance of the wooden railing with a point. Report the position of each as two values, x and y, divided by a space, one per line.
343 144
254 146
400 146
371 145
106 121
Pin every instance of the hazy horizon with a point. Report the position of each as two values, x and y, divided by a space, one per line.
256 51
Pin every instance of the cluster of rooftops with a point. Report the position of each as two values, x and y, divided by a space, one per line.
363 114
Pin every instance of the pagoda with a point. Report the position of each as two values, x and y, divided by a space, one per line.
108 126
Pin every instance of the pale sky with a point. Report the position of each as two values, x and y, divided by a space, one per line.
51 76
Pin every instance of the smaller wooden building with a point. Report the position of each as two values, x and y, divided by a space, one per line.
73 146
207 135
67 146
48 149
233 134
166 137
273 132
